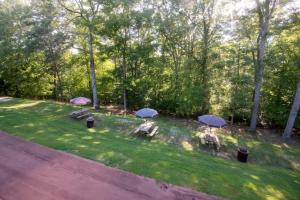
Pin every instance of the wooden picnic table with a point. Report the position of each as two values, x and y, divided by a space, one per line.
80 114
148 128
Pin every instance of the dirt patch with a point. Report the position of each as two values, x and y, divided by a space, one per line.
117 110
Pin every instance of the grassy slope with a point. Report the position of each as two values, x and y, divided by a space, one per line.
47 123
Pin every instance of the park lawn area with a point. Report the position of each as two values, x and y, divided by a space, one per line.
47 123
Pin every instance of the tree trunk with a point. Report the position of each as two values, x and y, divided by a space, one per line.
176 71
124 71
205 104
124 82
55 88
89 84
92 70
258 79
261 46
293 113
59 83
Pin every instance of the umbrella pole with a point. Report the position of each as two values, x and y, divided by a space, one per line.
209 129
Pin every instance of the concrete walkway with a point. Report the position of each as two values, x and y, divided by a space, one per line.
32 172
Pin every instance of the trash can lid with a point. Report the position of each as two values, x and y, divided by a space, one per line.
243 150
90 119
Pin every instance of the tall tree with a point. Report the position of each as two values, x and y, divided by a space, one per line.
265 10
208 30
87 11
293 113
48 36
294 38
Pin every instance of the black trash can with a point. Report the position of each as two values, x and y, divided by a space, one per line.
90 122
242 154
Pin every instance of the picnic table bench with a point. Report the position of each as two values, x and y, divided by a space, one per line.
148 129
80 114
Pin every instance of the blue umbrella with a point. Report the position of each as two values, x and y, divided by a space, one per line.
212 121
146 112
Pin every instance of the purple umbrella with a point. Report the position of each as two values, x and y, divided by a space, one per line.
80 101
212 121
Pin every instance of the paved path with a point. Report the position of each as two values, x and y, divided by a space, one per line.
32 172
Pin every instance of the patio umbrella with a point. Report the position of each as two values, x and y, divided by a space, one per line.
146 112
212 120
80 101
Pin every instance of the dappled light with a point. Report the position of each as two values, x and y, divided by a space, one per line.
92 130
173 156
187 146
255 177
87 138
23 105
82 146
270 192
237 60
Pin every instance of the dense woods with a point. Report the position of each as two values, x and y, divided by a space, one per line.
240 60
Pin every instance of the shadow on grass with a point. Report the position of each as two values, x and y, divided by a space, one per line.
47 124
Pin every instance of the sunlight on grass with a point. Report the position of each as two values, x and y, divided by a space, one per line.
91 130
252 186
22 105
103 131
67 135
82 146
63 139
182 164
231 139
187 146
273 193
277 146
255 177
87 137
252 144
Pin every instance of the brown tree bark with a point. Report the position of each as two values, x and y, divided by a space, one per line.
204 67
265 11
92 70
124 77
293 113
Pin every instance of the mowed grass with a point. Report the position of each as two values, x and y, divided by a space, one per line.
47 123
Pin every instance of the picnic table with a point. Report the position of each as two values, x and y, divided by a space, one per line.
148 129
80 114
210 139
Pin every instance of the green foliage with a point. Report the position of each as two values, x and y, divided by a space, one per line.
174 56
283 69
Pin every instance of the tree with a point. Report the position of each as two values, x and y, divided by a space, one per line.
293 113
48 35
293 34
87 11
265 11
207 9
184 57
15 76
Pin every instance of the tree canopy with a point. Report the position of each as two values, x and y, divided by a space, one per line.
181 57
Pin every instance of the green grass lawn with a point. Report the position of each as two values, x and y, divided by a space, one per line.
47 123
